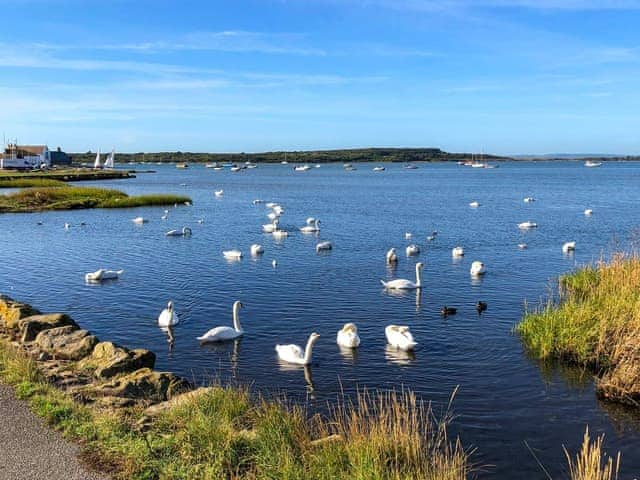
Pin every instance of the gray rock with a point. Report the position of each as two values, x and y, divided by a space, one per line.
67 343
31 326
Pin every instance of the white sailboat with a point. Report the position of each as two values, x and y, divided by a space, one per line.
109 162
97 163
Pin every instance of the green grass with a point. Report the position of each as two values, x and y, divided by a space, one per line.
29 182
69 198
595 323
229 434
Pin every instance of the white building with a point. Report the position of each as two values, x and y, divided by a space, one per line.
25 156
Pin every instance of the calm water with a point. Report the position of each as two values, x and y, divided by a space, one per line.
504 399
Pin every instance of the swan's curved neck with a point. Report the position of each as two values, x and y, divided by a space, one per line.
236 319
308 350
418 277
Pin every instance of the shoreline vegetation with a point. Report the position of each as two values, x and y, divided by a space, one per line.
94 393
13 178
66 197
594 324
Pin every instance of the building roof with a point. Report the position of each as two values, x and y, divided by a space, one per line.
35 149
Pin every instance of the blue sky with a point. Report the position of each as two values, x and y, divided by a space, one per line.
503 76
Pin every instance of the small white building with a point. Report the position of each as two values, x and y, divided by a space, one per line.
25 156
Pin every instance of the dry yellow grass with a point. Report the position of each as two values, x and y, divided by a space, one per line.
591 463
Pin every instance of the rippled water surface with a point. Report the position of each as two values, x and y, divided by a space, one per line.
505 398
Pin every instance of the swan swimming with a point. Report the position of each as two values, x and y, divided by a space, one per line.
294 354
392 257
67 226
457 252
477 268
474 204
529 199
348 336
310 221
588 212
185 232
257 201
256 249
274 263
272 216
219 193
527 225
270 204
568 247
270 227
280 233
323 246
220 334
201 221
400 337
139 220
412 250
168 317
311 228
234 254
523 246
408 235
103 274
402 284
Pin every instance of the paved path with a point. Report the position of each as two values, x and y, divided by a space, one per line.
30 450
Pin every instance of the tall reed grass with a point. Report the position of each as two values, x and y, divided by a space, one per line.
595 323
592 463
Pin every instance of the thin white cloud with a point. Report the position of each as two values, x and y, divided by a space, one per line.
453 5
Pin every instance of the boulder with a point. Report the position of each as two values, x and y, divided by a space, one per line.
108 360
145 384
11 312
67 343
177 401
31 326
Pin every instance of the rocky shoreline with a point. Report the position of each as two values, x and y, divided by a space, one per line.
93 372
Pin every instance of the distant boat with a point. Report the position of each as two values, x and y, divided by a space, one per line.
250 165
591 163
97 163
302 168
236 168
109 162
182 165
410 166
378 169
211 165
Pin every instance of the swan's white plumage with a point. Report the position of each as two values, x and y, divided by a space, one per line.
392 256
232 254
412 250
400 337
168 317
403 284
103 274
294 354
457 252
348 337
256 249
568 247
477 268
220 334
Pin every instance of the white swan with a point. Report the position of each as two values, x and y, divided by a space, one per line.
270 227
168 317
392 257
164 217
522 246
527 225
220 334
323 246
257 201
529 199
568 247
219 193
103 274
67 226
408 235
412 250
200 221
274 263
139 220
278 210
185 232
402 284
477 268
588 212
457 252
280 233
348 336
273 216
311 228
256 249
310 221
295 354
400 337
270 204
474 204
234 254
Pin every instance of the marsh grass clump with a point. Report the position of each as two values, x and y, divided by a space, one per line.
30 182
225 432
70 198
595 323
591 463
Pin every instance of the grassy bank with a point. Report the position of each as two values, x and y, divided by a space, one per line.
29 182
65 174
228 433
70 198
595 323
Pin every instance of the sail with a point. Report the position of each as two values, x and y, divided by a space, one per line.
97 162
108 163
